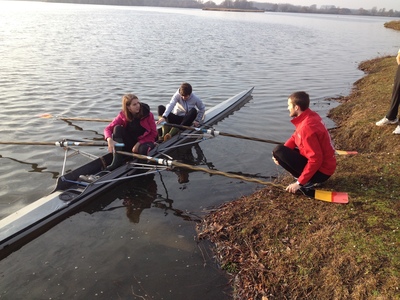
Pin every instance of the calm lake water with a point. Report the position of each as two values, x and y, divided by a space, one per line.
138 241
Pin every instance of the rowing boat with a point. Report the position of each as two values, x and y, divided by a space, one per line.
71 193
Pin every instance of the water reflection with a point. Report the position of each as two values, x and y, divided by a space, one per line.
142 192
98 136
34 166
136 199
190 155
77 71
135 196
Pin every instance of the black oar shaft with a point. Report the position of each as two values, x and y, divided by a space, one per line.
215 133
47 116
86 119
174 163
249 138
61 143
28 143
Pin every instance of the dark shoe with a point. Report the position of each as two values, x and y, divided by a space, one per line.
117 161
309 188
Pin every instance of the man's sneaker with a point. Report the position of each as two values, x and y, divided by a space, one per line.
397 130
386 121
310 185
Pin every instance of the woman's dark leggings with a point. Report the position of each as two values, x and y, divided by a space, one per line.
121 135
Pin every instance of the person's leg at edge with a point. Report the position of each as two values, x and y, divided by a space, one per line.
394 106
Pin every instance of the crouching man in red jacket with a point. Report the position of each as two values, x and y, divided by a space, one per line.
308 154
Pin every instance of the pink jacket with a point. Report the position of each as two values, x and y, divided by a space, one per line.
314 142
147 122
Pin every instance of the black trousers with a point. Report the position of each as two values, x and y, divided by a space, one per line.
186 120
122 135
394 106
293 162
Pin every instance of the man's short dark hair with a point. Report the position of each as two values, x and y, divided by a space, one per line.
185 89
301 99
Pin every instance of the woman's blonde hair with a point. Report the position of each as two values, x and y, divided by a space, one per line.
126 101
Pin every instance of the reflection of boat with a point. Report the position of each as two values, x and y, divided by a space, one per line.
71 193
136 195
191 155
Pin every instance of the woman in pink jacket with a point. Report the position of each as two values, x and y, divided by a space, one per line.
134 126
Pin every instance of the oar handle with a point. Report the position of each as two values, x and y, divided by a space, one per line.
160 161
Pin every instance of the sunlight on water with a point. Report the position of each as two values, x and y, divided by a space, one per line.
78 60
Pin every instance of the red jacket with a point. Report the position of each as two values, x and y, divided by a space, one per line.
314 142
147 122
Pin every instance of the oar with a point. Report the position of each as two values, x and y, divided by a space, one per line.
60 143
48 116
335 197
216 133
343 152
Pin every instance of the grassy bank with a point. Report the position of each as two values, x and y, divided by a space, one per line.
281 246
393 25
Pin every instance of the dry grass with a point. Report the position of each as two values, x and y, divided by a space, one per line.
281 246
393 25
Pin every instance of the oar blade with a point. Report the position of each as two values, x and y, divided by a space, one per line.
327 196
343 152
46 116
334 197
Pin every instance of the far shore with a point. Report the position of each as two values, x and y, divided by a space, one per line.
232 9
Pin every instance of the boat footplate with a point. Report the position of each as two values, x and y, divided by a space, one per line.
88 178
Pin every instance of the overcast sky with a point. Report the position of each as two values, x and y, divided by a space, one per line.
366 4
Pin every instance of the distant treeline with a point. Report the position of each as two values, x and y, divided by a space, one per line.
244 4
327 9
